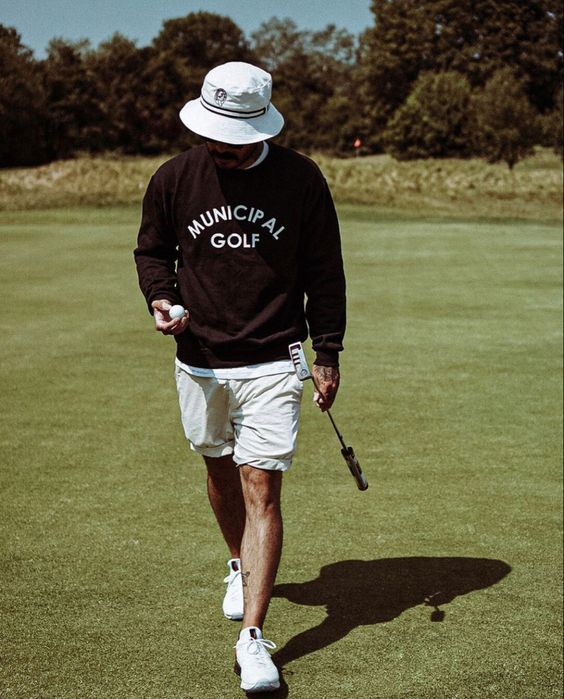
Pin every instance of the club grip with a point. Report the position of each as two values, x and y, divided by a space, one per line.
354 468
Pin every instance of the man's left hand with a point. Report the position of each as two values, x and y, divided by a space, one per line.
327 382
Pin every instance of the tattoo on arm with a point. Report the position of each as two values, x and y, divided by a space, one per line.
326 372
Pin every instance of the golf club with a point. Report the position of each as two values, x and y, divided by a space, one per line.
303 373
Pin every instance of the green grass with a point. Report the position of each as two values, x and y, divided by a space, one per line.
451 395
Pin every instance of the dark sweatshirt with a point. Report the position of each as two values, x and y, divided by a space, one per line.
242 250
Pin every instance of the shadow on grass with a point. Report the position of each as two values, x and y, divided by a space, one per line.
357 593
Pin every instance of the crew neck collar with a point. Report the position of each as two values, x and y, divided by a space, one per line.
262 156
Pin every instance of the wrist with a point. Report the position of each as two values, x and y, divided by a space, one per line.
329 359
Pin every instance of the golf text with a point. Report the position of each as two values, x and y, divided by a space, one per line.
239 212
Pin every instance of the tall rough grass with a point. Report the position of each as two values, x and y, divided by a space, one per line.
451 187
88 181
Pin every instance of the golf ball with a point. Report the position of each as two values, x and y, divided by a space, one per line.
176 311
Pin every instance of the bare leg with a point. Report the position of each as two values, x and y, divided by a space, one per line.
262 540
226 498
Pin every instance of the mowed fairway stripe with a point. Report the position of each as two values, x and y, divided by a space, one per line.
112 566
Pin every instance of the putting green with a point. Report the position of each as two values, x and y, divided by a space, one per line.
442 580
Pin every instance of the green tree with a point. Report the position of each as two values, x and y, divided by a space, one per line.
504 120
558 122
277 42
183 52
22 103
125 94
76 120
203 39
551 125
434 120
473 38
313 82
391 56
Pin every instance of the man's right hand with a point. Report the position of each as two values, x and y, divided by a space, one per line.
164 323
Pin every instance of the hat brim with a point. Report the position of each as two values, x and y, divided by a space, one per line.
229 130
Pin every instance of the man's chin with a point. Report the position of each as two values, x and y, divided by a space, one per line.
225 163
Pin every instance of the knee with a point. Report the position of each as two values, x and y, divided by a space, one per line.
261 490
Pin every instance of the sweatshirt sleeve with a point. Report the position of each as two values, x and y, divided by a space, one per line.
156 252
323 277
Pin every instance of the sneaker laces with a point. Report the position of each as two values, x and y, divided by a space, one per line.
258 646
231 577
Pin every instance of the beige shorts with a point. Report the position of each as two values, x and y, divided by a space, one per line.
255 420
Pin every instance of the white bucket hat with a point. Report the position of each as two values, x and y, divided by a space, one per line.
234 106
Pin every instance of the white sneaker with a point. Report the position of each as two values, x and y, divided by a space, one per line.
233 600
254 664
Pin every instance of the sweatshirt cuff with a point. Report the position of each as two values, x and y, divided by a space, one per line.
163 297
327 359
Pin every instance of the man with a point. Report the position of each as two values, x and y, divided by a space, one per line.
241 232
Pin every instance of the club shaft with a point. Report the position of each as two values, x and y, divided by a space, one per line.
339 435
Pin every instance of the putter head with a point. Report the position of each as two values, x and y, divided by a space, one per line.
354 468
297 355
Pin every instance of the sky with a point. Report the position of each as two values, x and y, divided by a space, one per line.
38 21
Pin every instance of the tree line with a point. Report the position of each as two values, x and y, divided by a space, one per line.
435 78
